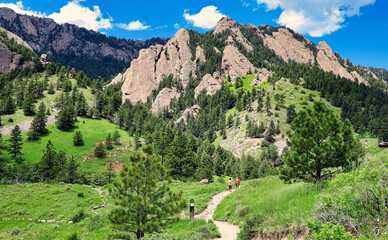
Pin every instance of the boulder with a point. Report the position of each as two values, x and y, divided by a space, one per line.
209 84
383 145
205 181
163 99
192 111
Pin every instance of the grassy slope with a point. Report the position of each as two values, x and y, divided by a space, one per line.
293 95
46 201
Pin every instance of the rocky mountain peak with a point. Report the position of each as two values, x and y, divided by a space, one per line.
225 23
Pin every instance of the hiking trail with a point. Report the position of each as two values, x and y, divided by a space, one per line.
228 231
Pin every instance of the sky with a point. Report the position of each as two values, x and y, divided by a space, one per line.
357 29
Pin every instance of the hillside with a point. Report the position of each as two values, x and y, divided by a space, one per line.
94 53
290 119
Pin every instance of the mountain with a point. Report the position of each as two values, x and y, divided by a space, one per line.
266 46
94 53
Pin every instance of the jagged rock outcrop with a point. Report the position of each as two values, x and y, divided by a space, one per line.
10 60
163 99
156 63
234 63
209 84
261 76
192 111
329 62
287 47
200 55
118 79
226 23
65 43
16 38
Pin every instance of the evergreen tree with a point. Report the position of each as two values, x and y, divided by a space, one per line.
204 170
10 106
116 138
66 117
77 139
137 142
29 105
321 146
81 105
99 152
181 160
291 113
71 171
3 161
144 202
15 143
108 142
51 89
39 122
47 165
268 105
109 169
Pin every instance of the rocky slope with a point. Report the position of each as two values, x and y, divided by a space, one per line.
74 46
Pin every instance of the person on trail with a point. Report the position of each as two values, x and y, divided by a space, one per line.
237 183
230 184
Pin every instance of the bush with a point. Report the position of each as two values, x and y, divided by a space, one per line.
329 231
79 216
73 236
10 120
221 180
80 194
15 231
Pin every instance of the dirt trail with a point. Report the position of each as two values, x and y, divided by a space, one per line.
228 231
24 126
103 201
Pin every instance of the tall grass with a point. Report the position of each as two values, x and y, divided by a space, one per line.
276 203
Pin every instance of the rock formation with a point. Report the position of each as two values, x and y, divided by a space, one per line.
156 63
329 62
234 63
261 77
10 60
287 47
163 99
192 111
209 84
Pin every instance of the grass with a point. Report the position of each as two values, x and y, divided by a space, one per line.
201 193
45 201
22 205
187 229
93 130
278 204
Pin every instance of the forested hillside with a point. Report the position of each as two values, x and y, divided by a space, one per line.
212 106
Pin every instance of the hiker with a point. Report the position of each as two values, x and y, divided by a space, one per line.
230 184
237 183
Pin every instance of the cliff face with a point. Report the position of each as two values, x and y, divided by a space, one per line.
68 43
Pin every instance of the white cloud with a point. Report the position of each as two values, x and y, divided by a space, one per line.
245 4
315 17
19 8
133 26
177 26
207 18
74 13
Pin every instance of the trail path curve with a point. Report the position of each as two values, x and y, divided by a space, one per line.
228 231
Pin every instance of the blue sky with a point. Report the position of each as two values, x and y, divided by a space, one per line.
357 29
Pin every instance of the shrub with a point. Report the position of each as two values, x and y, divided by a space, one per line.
15 231
10 120
73 236
329 231
242 211
79 216
80 194
221 180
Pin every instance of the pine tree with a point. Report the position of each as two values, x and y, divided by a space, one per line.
144 202
47 165
66 117
77 139
108 142
109 169
81 105
15 143
291 113
204 170
71 170
321 146
29 105
137 142
9 105
181 160
3 161
40 120
51 89
116 138
99 152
